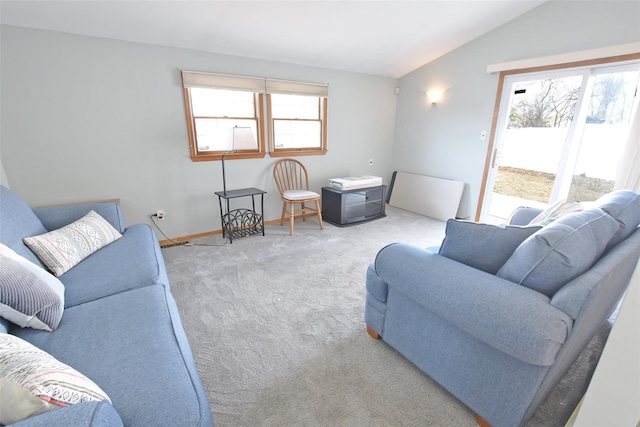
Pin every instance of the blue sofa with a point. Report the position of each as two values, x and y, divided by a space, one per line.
497 315
120 326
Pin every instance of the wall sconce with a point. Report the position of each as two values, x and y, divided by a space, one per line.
434 96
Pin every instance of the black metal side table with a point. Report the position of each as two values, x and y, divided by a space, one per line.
241 222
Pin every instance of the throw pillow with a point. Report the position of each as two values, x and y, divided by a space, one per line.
65 247
555 211
32 382
483 246
560 251
30 297
624 206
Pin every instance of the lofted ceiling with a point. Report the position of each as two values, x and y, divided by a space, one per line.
384 38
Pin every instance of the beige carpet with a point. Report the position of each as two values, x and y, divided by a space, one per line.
276 326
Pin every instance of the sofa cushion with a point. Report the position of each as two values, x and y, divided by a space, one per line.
483 246
133 261
17 220
62 249
624 206
29 296
133 345
560 251
33 382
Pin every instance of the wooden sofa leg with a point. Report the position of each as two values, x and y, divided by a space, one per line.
373 333
482 422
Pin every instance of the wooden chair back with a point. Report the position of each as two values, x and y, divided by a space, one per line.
290 174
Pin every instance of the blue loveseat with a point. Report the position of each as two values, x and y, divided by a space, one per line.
497 315
120 325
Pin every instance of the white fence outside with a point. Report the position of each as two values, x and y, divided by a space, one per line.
541 148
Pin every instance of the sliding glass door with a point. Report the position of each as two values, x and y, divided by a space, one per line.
559 135
601 135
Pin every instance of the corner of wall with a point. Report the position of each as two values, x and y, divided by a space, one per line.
3 176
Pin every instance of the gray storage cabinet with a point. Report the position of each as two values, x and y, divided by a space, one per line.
350 207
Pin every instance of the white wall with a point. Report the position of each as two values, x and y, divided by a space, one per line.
88 118
443 140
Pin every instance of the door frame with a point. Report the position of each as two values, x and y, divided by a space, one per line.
491 148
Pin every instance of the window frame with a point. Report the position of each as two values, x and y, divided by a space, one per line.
323 102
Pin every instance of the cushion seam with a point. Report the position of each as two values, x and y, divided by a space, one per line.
553 248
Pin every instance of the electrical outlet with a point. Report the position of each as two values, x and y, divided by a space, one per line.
160 214
483 135
370 162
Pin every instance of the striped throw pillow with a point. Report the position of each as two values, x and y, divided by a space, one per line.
30 296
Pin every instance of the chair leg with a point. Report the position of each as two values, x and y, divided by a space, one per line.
284 209
304 212
319 214
292 217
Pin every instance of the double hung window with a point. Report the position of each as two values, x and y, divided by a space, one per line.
215 106
297 118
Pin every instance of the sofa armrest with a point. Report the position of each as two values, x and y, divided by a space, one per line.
90 414
523 215
511 318
55 217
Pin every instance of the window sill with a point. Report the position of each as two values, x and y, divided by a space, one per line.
230 156
294 153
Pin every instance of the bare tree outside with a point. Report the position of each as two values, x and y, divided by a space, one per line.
552 105
609 99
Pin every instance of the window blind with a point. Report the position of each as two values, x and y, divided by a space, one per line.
191 79
298 88
222 81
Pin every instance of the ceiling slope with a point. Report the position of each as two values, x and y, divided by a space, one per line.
385 38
